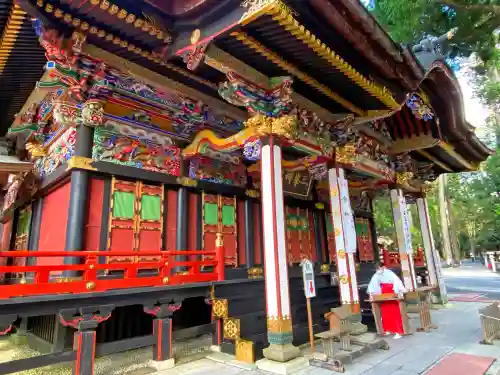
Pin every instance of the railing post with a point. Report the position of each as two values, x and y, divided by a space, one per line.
219 249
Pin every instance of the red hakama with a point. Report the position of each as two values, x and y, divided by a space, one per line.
390 312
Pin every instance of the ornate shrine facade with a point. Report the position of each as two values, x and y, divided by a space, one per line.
199 162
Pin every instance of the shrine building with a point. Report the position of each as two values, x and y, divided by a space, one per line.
167 165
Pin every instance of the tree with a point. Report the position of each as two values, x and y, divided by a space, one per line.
409 21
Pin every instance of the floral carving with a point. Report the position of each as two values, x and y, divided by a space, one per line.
92 113
419 108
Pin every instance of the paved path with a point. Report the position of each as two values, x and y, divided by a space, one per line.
458 332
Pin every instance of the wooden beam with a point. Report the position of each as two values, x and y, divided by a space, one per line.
414 143
450 150
161 82
224 62
435 161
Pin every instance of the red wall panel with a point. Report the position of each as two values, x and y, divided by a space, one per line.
242 258
53 225
94 215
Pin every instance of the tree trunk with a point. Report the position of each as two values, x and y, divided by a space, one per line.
445 232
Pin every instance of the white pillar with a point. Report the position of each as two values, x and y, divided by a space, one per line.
431 255
279 319
403 235
485 260
345 238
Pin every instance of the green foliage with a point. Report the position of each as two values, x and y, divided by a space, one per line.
476 20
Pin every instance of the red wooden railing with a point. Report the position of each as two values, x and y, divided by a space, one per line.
46 279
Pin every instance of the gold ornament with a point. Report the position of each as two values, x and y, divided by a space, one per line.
279 324
90 285
346 154
403 177
219 308
284 126
231 328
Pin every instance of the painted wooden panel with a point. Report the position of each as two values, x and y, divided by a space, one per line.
364 240
242 257
330 237
136 220
54 222
299 234
149 218
171 222
257 230
220 216
94 215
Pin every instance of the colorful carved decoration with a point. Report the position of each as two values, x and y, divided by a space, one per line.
426 172
12 192
419 108
379 126
328 135
403 163
130 150
371 149
92 113
193 58
219 172
252 149
346 154
319 171
58 153
273 102
66 114
360 201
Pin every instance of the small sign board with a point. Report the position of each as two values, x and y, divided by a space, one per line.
308 276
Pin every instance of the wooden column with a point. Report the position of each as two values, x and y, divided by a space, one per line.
345 238
85 321
78 201
403 235
182 228
279 319
431 254
163 351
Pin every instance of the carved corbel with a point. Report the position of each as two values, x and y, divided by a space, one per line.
66 114
345 154
92 113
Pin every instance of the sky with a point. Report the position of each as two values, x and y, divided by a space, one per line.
475 112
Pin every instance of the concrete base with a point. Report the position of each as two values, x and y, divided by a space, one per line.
358 328
162 365
283 368
281 353
215 348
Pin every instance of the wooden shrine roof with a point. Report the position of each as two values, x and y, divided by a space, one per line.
21 61
339 57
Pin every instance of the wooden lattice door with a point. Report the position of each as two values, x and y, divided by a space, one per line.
22 235
149 222
364 240
330 238
219 216
299 236
136 217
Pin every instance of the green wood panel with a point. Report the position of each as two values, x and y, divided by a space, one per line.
123 205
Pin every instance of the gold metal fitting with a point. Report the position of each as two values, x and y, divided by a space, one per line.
90 285
165 280
92 266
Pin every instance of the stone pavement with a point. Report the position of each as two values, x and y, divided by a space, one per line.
458 332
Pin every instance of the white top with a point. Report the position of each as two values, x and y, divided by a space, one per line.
385 277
